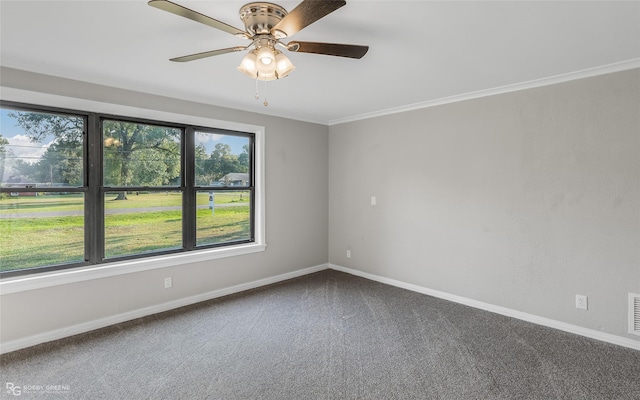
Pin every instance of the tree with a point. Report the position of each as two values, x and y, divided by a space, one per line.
222 161
3 152
243 159
139 155
201 160
58 165
133 154
38 126
62 161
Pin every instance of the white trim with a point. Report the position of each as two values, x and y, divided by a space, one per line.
563 326
42 280
586 73
115 319
47 279
84 105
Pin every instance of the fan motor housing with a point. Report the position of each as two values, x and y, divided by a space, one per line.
259 18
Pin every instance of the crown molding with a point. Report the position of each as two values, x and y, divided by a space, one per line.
585 73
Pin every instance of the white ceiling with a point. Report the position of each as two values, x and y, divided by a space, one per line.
420 51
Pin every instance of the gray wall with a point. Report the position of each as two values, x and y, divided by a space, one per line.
296 221
520 200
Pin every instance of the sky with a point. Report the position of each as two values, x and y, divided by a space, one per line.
210 141
20 146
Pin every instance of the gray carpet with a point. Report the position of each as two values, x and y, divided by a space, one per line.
327 335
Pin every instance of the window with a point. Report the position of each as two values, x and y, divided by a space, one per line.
141 184
224 198
79 189
43 188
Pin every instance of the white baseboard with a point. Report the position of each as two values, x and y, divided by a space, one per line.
143 312
115 319
563 326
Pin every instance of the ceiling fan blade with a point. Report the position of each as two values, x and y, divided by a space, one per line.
330 49
206 54
305 14
196 16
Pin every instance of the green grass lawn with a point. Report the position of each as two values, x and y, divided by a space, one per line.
71 202
27 242
35 242
27 204
172 199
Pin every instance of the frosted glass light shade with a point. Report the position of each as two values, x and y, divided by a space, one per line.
271 76
248 65
265 55
278 68
266 60
283 65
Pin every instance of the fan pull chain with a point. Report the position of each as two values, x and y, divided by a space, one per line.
266 103
257 95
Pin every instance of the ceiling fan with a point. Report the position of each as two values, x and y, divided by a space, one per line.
266 24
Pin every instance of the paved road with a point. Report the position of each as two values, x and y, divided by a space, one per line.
74 213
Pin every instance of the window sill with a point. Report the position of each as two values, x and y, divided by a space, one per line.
44 280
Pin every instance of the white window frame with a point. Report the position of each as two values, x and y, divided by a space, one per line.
85 273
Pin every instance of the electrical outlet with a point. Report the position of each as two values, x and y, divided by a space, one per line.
373 200
348 253
581 302
168 282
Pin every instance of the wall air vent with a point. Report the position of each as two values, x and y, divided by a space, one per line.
634 314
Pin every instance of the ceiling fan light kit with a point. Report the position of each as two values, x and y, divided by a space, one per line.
266 24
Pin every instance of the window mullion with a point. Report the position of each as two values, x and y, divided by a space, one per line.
189 203
94 225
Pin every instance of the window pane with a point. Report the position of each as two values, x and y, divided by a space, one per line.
144 222
40 149
223 216
39 229
221 160
46 199
140 155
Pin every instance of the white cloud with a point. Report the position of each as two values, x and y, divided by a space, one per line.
204 137
21 147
